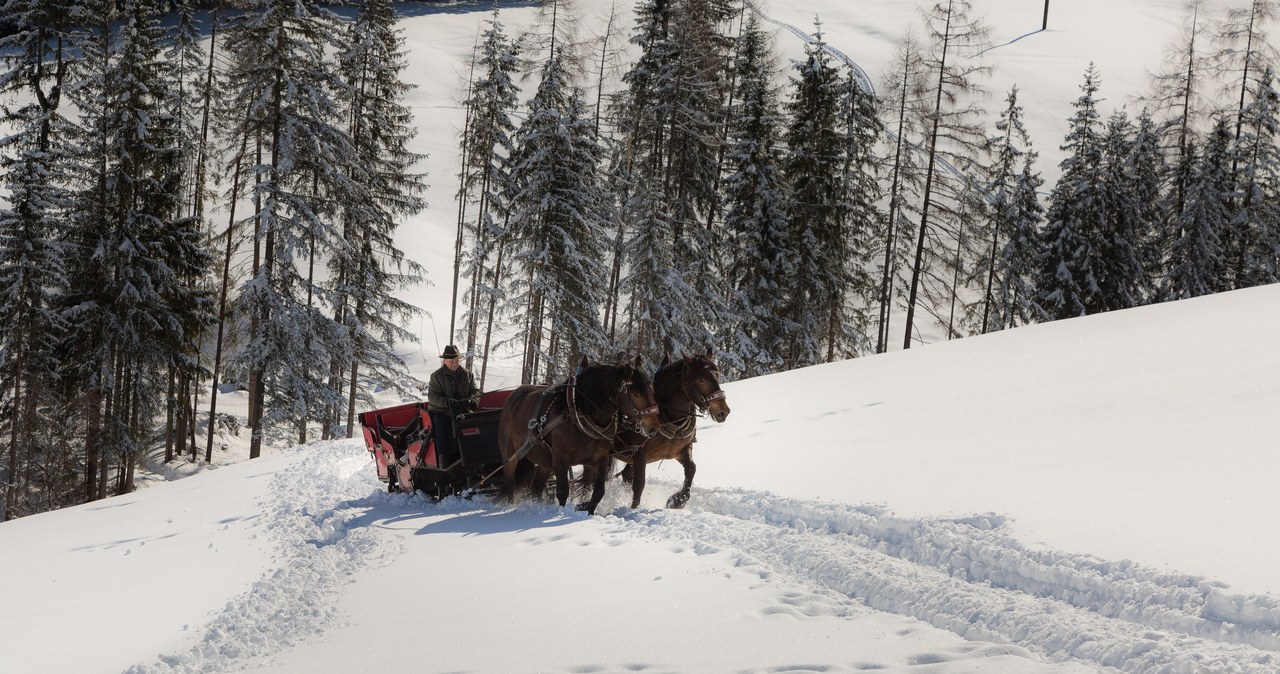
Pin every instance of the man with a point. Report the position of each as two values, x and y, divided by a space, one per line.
451 392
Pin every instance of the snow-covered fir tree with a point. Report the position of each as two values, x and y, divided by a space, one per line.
1010 254
761 267
850 322
284 89
1255 217
487 149
670 118
555 236
1130 175
1195 261
33 155
136 299
1067 283
369 268
657 318
812 169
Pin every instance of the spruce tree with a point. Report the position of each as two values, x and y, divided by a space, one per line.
1067 284
487 147
1128 212
812 169
1255 217
555 234
33 157
850 321
1005 266
369 268
1195 260
761 268
284 89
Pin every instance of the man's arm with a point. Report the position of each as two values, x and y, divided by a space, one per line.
436 397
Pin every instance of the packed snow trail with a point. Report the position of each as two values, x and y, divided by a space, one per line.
326 517
318 515
971 579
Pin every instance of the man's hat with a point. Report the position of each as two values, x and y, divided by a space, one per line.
450 351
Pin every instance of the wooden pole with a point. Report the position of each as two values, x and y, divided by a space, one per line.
1045 24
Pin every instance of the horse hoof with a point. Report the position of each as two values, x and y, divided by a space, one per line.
586 508
678 500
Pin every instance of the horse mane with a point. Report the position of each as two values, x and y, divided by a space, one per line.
603 380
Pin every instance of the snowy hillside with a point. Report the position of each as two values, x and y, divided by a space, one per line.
1075 497
1093 495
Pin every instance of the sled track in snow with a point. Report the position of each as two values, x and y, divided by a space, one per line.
969 577
965 575
315 515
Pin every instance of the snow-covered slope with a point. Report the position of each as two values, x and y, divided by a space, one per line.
1075 497
1093 495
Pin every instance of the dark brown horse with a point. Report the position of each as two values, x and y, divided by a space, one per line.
546 430
684 389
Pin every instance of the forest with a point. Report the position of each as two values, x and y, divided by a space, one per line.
709 197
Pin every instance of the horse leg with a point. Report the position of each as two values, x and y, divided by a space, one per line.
681 497
562 482
637 479
626 473
600 476
538 482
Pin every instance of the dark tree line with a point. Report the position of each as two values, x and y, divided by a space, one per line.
699 195
789 217
119 286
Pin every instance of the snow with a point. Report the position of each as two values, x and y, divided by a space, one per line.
1083 495
1092 495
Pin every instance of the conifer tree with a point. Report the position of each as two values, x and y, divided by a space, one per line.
1255 218
1179 97
1130 193
671 118
861 129
655 323
761 269
555 234
487 146
32 271
812 169
1067 284
368 268
1196 264
904 105
284 86
1005 268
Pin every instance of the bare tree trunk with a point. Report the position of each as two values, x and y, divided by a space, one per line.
222 299
928 189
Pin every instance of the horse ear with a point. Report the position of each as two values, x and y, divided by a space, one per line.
666 359
710 352
582 365
638 363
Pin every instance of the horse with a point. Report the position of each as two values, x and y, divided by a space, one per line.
685 389
545 430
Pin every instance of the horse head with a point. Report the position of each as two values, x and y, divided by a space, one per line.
700 378
641 410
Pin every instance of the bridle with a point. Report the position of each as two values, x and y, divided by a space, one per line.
631 421
684 424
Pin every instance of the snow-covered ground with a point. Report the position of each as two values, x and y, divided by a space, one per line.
1093 495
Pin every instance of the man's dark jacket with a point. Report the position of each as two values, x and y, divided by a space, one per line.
452 388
